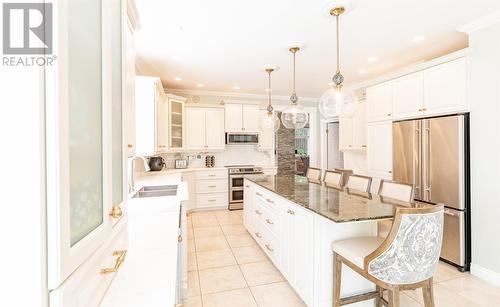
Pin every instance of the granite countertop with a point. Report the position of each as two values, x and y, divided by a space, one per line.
336 205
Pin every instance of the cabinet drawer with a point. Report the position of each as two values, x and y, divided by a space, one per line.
267 198
209 186
212 174
267 216
87 286
268 242
211 200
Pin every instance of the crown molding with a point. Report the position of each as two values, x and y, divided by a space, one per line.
480 23
263 97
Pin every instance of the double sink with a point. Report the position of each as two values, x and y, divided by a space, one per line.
156 191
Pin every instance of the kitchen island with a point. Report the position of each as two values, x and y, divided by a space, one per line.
295 221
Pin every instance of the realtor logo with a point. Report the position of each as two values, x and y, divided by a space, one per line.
27 28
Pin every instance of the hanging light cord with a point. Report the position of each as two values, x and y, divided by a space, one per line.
294 51
269 108
338 48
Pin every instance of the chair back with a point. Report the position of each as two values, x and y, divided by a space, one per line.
313 174
411 251
333 179
395 190
359 183
345 173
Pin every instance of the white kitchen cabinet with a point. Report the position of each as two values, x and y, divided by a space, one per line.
205 129
248 206
151 116
211 189
129 87
379 100
266 137
297 250
409 96
379 151
176 122
352 131
446 88
243 118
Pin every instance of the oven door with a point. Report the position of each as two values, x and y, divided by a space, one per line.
236 182
236 196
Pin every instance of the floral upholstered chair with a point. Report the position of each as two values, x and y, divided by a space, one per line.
406 259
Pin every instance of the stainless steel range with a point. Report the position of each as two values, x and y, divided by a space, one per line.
236 177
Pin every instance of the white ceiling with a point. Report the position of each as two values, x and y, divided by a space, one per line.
224 43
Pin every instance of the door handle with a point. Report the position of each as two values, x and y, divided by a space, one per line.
269 248
116 212
258 235
269 222
269 201
258 194
258 212
120 258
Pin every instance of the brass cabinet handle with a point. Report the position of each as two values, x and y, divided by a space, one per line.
130 145
390 172
258 235
389 114
290 212
179 239
269 201
424 109
211 175
212 186
269 222
364 146
247 186
268 247
120 258
116 212
420 110
258 194
258 212
162 146
212 200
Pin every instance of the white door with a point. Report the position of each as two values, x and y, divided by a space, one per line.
251 118
233 117
79 138
129 91
248 207
176 123
215 128
379 99
445 87
196 131
161 119
409 96
288 244
379 152
359 126
345 133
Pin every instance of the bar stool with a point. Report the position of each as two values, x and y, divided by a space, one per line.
406 259
394 190
313 174
358 183
334 179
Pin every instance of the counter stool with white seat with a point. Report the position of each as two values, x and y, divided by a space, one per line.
358 183
406 259
313 174
393 190
334 179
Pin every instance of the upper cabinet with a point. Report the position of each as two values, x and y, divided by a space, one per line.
266 138
205 128
380 100
445 87
438 90
151 116
409 95
242 118
352 131
177 133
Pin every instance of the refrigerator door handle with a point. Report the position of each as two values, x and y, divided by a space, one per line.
417 170
428 184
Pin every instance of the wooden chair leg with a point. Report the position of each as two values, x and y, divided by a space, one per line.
337 276
394 297
428 293
378 300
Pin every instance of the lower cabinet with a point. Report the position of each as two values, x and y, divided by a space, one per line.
284 231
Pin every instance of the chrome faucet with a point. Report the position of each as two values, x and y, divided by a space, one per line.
131 170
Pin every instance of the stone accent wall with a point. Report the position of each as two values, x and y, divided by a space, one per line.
285 150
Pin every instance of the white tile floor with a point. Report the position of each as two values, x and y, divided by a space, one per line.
228 269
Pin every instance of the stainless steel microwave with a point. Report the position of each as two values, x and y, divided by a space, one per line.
242 138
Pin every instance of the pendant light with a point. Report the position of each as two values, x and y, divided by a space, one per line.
270 120
337 101
295 116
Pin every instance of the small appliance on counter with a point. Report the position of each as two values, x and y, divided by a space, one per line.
210 161
181 163
156 163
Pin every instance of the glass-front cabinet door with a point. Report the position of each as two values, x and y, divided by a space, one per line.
176 122
81 134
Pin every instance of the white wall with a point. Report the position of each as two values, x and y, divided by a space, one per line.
485 151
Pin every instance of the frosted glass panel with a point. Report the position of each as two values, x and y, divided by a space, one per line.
85 117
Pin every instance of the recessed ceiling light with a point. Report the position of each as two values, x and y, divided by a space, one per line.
200 85
417 39
371 59
178 79
236 87
176 58
362 71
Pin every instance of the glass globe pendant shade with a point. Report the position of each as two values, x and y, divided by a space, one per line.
270 121
294 117
337 102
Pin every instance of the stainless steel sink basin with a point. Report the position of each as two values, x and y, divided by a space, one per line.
156 191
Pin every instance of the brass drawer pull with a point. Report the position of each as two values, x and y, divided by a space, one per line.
258 194
211 175
247 186
269 222
291 212
130 146
212 200
179 239
258 235
120 258
269 201
212 186
116 212
269 248
258 212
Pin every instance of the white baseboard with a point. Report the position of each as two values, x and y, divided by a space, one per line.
485 274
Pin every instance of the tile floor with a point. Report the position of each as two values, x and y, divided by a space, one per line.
228 269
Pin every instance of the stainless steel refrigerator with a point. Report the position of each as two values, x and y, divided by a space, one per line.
433 155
